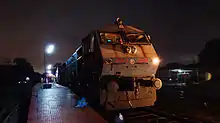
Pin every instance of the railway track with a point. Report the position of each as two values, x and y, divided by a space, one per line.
148 115
145 115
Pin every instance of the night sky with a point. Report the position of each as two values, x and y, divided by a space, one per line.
179 28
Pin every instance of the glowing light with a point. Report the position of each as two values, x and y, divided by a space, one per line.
156 61
49 72
121 116
50 49
50 75
208 76
180 71
27 78
49 67
57 73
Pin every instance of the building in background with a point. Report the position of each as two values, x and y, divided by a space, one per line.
175 73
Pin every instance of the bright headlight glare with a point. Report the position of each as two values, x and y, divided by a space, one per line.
156 61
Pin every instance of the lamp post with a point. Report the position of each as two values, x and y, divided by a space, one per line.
48 50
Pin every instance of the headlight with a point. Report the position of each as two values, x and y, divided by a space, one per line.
128 49
157 83
156 61
134 49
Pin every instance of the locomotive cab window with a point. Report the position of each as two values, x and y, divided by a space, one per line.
110 38
138 38
116 38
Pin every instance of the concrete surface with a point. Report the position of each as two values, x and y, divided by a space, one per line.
56 105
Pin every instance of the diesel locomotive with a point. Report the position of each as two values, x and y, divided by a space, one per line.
114 67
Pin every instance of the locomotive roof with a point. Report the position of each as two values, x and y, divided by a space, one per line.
114 28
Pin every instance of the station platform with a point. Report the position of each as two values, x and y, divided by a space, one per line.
56 105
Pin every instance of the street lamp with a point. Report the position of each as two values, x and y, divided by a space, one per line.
49 67
49 49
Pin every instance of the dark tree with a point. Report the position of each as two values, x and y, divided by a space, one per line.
24 64
24 68
36 77
173 66
209 57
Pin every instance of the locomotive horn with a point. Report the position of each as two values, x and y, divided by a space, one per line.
119 22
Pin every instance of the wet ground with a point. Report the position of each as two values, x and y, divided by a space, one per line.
57 105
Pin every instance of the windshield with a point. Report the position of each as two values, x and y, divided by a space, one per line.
137 38
116 38
112 38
